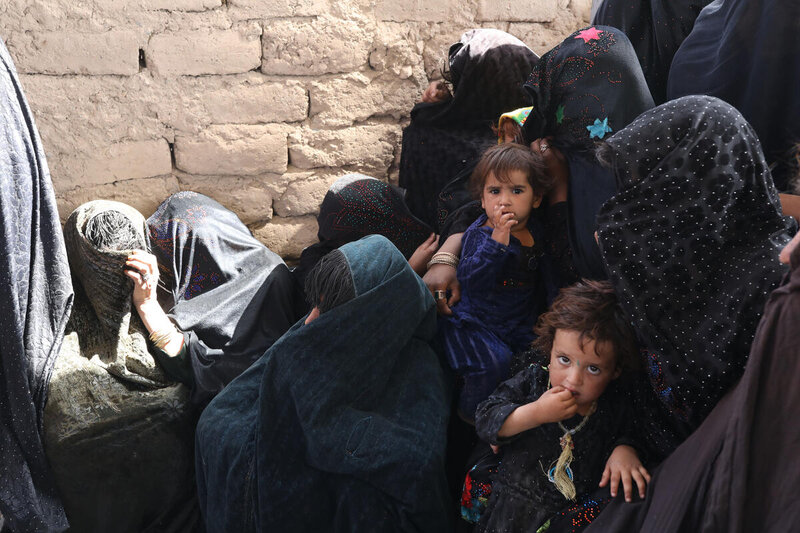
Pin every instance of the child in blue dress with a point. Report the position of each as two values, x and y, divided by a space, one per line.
506 278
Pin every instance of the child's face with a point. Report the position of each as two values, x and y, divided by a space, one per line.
579 369
513 196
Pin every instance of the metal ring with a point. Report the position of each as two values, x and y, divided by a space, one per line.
543 147
145 277
439 295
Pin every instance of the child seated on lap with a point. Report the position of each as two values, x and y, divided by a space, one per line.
504 274
557 425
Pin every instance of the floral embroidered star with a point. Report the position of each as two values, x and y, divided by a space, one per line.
599 129
589 34
560 114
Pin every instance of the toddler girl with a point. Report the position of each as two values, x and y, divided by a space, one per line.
504 274
558 424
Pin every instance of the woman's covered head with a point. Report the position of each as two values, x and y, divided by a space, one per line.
590 309
503 160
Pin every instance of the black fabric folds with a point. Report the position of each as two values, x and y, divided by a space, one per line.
739 471
488 68
356 206
230 295
747 52
35 301
656 29
691 245
341 425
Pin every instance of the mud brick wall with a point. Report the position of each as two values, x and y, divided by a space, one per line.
259 104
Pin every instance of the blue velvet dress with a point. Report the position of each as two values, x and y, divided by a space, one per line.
503 291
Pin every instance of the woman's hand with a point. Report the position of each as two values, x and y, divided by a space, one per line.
557 168
419 259
441 277
142 268
624 464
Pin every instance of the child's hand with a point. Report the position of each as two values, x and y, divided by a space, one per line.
624 464
502 222
556 404
419 259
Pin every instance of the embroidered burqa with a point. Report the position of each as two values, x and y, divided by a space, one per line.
341 425
691 245
584 89
739 471
487 69
656 29
230 295
35 301
747 52
356 206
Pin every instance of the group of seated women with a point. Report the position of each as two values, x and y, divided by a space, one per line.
601 336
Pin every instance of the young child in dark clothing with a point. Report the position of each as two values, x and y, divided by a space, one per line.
504 274
558 424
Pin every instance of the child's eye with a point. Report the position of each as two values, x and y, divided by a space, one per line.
563 359
594 370
518 190
493 190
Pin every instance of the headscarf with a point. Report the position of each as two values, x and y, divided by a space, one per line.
747 52
583 90
656 29
341 425
691 245
230 295
355 206
487 68
35 302
739 470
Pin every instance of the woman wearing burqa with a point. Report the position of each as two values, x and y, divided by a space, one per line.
738 471
340 426
228 294
35 301
487 68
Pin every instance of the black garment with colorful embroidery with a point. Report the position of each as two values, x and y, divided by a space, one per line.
522 496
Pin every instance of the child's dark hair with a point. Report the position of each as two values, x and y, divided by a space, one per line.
330 282
590 308
502 159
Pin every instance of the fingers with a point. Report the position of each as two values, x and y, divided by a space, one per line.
614 482
638 477
455 293
606 476
495 448
443 308
627 484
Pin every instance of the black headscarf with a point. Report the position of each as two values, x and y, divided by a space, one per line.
583 90
356 206
656 29
35 301
747 52
230 295
691 245
341 425
487 68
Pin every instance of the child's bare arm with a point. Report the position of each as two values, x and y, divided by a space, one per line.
624 465
554 405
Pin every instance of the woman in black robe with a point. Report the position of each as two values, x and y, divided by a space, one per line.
691 244
487 68
35 302
340 426
739 470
